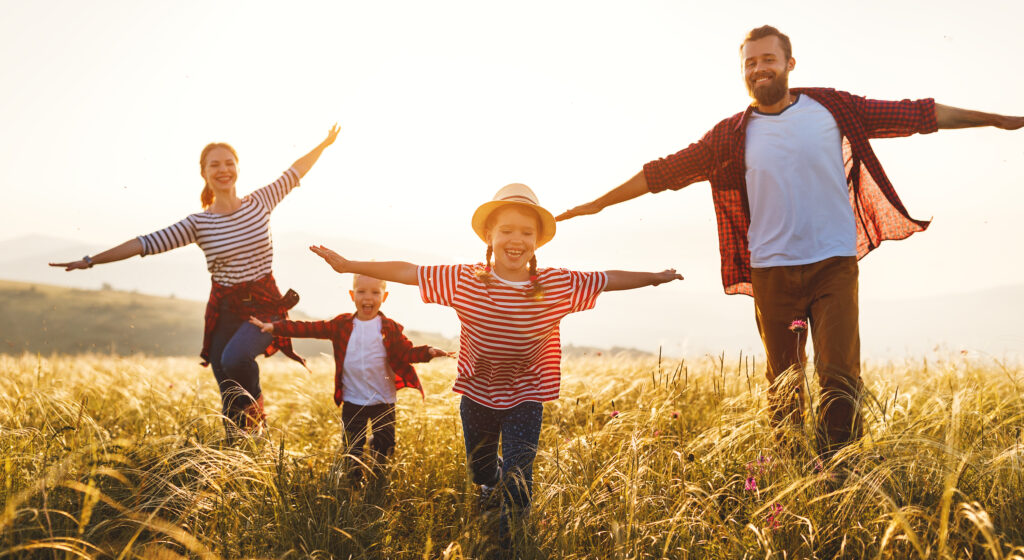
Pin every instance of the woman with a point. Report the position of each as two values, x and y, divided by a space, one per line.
234 233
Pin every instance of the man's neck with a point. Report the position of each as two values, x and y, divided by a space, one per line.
777 108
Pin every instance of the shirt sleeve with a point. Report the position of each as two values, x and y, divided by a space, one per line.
273 193
892 119
586 286
171 237
687 166
304 329
438 283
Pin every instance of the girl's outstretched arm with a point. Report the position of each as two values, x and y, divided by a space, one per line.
126 250
626 280
392 271
305 163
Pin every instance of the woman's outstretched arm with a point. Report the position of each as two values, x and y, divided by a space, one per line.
126 250
625 280
305 163
392 271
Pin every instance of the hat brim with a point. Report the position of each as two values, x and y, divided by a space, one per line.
547 219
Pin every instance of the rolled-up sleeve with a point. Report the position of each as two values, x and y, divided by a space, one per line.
687 166
893 119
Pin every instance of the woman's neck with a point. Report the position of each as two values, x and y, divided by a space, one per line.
225 203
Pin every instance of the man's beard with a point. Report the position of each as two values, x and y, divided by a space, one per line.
772 93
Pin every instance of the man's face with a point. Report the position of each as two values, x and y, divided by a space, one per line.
766 70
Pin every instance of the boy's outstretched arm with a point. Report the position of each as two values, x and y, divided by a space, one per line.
391 271
626 280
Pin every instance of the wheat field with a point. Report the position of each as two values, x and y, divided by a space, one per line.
107 457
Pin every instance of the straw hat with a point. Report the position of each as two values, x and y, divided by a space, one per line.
515 194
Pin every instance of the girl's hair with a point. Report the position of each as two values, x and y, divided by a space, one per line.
206 197
536 289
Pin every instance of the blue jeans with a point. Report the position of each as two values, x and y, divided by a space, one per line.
519 430
233 349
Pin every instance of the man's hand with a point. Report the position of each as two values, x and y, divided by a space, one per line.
1010 123
581 210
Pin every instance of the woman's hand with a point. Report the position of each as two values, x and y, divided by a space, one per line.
332 135
73 265
264 327
337 262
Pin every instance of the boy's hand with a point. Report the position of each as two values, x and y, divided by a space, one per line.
437 353
337 262
666 276
264 327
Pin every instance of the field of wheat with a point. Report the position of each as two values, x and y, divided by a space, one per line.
106 457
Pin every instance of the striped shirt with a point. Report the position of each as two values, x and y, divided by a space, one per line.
509 347
237 245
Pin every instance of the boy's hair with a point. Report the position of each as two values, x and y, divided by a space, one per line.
356 277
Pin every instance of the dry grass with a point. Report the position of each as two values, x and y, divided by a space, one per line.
123 458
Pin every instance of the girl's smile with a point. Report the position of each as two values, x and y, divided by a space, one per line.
513 236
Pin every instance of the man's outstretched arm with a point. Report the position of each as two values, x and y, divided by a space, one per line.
629 190
954 117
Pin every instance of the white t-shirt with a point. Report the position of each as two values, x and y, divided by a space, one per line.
800 211
367 378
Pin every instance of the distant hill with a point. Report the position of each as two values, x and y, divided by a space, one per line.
52 319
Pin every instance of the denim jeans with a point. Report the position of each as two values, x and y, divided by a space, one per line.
233 349
519 431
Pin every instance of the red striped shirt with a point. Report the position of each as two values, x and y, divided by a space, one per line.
510 350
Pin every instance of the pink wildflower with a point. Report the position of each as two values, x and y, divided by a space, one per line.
798 326
751 484
773 516
614 413
675 414
657 433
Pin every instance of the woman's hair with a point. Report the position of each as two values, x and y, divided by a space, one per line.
536 289
206 197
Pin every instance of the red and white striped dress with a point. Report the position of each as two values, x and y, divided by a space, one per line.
509 349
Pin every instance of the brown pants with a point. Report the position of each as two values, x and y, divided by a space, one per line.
825 294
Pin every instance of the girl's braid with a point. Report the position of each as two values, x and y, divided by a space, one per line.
485 274
536 290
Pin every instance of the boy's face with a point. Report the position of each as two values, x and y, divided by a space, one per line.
367 293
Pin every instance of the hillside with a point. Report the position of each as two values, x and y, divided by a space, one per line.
54 320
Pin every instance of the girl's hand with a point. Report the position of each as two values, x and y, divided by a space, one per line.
437 353
264 327
337 262
74 265
665 276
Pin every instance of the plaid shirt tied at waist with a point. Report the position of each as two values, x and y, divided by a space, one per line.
259 298
719 157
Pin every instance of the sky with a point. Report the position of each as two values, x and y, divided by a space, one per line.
106 105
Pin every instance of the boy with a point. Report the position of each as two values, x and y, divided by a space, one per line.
372 361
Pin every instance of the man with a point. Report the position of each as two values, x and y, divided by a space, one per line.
800 197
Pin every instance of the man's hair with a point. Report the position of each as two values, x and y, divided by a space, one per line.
767 31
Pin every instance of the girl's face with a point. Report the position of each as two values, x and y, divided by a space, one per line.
220 170
513 236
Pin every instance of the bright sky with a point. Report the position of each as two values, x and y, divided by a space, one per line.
106 105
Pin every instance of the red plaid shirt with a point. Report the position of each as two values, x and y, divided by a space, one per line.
259 298
718 157
401 353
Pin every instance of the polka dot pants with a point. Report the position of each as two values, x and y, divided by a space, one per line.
519 431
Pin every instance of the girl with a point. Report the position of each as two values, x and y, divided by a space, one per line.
509 346
234 233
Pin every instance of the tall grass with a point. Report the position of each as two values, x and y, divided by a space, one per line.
124 458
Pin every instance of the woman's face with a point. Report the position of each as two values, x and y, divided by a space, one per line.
220 170
513 236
